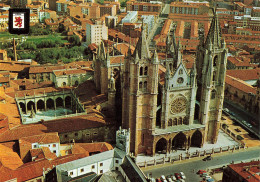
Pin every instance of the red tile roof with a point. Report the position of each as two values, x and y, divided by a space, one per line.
95 147
9 158
240 85
45 138
249 74
240 61
38 91
69 72
45 68
63 125
116 59
248 171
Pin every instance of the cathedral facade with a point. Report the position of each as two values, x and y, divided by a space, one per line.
164 105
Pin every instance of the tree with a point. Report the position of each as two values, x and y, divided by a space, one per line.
74 40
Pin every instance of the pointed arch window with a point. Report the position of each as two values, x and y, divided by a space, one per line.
213 94
170 65
140 85
146 70
141 71
215 61
175 122
145 85
214 76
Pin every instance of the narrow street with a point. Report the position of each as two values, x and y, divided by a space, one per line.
158 25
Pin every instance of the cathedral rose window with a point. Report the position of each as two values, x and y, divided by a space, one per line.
178 105
180 80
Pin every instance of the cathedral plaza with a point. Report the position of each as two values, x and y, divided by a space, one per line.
129 91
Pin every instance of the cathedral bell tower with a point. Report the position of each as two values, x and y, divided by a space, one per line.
211 69
102 69
140 89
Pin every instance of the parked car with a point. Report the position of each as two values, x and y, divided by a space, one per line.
182 175
163 177
174 178
169 178
201 171
204 175
208 158
152 180
177 175
158 180
210 180
208 177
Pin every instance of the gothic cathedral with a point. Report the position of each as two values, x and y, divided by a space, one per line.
165 105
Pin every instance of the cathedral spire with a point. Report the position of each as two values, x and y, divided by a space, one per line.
129 53
155 59
214 34
141 46
167 76
179 55
136 60
107 58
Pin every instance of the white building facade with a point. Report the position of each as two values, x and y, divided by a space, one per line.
97 32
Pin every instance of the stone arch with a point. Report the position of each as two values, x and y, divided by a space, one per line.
161 146
179 141
196 139
40 105
22 106
30 105
50 104
68 102
59 102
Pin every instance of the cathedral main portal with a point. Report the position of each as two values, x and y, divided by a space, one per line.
166 141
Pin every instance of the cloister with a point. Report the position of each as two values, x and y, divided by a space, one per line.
48 101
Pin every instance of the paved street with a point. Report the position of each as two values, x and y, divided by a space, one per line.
158 25
243 116
195 164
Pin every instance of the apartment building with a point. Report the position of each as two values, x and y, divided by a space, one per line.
96 32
